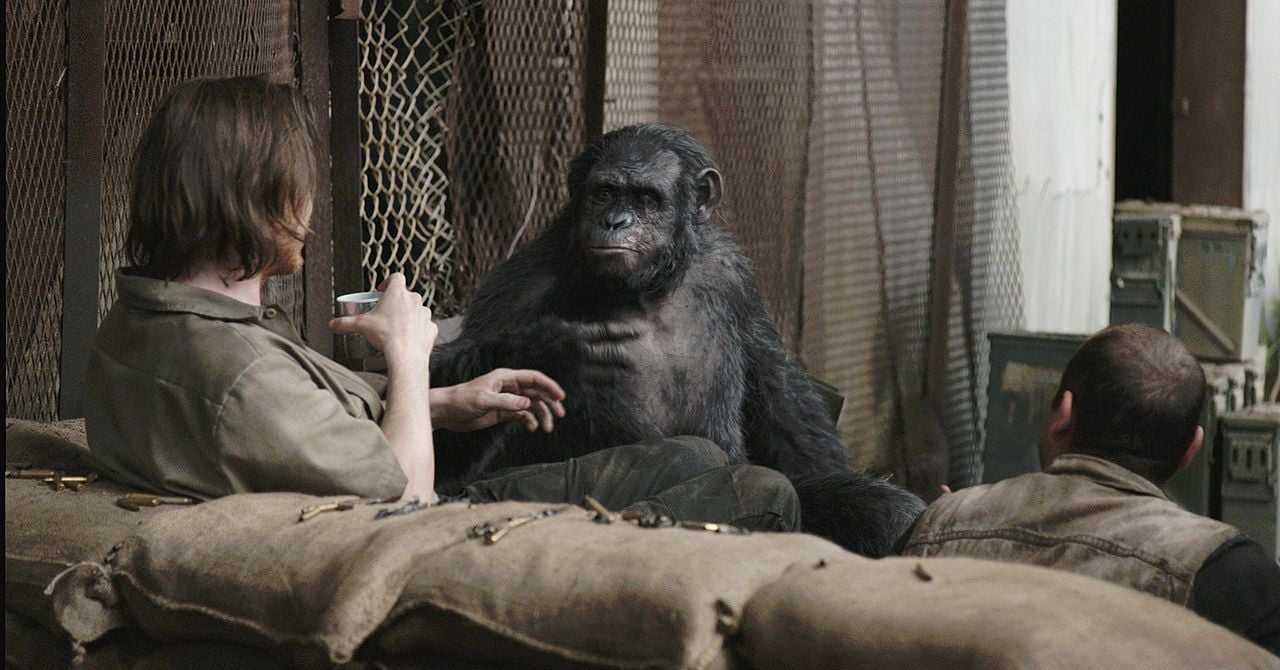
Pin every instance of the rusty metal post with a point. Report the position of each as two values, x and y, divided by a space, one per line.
317 274
344 139
933 470
596 53
86 53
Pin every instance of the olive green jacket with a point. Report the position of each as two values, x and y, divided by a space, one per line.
194 393
1082 514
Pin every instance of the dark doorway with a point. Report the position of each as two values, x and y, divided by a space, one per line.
1144 99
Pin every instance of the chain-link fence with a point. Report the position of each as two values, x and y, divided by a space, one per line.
988 277
150 48
870 214
35 97
470 112
823 116
406 64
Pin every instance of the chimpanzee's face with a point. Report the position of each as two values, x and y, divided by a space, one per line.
629 212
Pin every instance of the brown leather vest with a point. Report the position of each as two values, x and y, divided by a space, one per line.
1082 514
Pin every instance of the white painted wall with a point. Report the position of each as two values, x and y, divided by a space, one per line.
1062 80
1262 132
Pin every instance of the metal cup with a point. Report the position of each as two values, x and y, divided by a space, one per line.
355 346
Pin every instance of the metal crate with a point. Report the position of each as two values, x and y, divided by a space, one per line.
1193 270
1246 448
1025 370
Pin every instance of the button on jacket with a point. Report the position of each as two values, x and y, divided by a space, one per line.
195 393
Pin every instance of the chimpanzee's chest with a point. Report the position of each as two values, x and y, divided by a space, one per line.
664 362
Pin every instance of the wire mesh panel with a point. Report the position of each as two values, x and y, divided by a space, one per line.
631 78
150 48
35 146
471 112
988 275
736 76
873 150
407 52
515 119
823 115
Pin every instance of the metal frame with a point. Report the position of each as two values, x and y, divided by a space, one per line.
927 471
313 75
86 84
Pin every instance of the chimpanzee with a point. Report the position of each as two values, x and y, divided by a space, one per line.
651 319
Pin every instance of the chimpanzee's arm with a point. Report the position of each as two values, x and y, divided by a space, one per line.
503 327
785 423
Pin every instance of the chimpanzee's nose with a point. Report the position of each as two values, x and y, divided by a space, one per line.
618 220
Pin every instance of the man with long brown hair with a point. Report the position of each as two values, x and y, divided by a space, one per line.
198 389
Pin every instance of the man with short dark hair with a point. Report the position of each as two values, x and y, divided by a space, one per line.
1124 420
197 388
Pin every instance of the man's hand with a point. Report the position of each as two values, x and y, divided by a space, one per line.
399 325
527 396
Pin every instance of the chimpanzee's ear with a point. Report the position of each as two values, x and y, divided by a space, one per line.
710 189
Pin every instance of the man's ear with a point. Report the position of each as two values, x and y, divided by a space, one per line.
1192 449
1064 422
710 190
1055 437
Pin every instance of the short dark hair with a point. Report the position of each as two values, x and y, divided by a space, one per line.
223 167
1137 396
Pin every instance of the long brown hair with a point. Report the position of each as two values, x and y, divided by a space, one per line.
223 166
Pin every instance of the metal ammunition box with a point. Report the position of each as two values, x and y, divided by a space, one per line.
1245 451
1195 271
1025 370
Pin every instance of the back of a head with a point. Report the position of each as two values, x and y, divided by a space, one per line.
222 166
1137 396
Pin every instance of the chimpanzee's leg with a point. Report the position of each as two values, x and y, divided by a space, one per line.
616 477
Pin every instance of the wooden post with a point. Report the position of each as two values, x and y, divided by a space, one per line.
1208 102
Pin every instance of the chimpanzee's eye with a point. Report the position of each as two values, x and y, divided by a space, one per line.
648 200
602 194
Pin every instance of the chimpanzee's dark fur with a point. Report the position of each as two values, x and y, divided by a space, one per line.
651 320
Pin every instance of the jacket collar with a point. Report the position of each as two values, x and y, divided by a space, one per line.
1105 473
158 295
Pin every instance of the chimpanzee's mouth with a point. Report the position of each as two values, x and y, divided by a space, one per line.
612 251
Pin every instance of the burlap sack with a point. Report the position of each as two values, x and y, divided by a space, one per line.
45 531
29 646
965 613
559 591
59 445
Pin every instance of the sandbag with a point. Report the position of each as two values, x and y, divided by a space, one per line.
45 531
558 591
968 613
58 445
